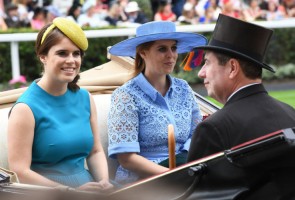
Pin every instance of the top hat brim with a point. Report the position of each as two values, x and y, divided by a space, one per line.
235 53
185 42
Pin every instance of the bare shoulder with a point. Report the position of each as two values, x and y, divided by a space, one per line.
21 110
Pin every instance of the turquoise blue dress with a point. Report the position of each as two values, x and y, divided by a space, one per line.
63 137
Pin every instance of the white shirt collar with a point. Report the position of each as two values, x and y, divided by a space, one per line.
241 89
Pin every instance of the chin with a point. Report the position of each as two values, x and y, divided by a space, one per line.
169 71
68 80
210 94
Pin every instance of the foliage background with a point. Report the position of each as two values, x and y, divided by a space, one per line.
280 54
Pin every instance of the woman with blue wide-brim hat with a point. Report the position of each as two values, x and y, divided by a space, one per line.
142 108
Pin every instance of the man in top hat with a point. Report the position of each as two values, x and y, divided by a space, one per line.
232 74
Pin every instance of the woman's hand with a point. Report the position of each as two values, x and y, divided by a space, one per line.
103 185
140 165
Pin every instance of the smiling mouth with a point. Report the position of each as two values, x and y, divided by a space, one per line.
70 70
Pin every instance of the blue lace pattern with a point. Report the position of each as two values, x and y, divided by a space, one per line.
139 117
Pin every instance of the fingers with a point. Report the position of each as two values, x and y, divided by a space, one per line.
105 185
96 186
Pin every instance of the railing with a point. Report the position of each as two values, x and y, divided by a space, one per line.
15 38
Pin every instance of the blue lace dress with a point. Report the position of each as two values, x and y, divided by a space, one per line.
139 117
63 136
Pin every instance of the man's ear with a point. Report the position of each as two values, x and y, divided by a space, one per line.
234 68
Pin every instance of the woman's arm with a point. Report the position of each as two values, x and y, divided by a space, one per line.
196 117
123 117
140 165
3 25
20 137
96 161
157 17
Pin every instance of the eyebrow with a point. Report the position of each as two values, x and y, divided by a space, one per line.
166 45
61 49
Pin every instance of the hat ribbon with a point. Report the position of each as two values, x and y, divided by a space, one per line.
52 26
192 60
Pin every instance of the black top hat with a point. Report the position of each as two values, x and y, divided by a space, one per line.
240 38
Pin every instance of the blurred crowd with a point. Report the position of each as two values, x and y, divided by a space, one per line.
126 13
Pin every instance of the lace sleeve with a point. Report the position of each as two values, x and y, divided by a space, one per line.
196 119
122 124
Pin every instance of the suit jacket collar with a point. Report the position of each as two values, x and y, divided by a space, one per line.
245 92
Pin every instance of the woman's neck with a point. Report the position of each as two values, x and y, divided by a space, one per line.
52 88
160 83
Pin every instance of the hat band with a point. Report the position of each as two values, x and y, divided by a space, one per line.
52 26
232 48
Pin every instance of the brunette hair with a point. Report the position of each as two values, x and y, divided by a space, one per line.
53 38
139 62
249 68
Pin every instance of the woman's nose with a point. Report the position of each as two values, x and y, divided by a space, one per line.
70 58
171 53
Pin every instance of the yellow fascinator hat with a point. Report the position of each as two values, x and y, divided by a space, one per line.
71 29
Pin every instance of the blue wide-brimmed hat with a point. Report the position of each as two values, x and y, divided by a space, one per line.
158 30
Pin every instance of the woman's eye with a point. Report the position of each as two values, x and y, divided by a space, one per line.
77 54
62 53
163 49
174 48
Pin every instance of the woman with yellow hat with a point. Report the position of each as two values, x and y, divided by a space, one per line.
53 127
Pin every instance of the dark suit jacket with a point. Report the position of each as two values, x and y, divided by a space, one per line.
249 114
